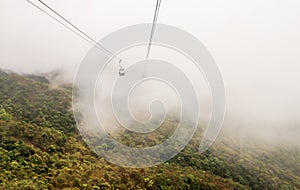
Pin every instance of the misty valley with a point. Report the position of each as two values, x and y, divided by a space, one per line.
41 148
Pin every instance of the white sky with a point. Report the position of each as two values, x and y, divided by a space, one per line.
237 32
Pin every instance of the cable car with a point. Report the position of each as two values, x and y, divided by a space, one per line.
121 72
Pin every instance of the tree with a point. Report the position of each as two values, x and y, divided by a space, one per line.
4 115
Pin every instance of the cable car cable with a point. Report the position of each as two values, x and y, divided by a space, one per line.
79 32
153 27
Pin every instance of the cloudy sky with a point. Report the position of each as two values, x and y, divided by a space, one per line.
256 44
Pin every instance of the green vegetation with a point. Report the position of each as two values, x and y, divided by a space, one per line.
41 149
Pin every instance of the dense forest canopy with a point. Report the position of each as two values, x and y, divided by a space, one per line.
40 148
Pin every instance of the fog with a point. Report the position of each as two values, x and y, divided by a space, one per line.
255 44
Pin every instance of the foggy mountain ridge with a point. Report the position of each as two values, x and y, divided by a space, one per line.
41 142
261 129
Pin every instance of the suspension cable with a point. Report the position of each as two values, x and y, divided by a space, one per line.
75 29
153 27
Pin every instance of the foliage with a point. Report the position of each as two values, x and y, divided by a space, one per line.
40 149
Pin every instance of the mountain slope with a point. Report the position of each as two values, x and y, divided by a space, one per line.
40 148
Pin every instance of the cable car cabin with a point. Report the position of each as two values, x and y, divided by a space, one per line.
122 72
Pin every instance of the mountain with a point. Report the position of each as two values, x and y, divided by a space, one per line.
40 148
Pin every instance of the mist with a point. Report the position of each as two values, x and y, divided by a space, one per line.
255 44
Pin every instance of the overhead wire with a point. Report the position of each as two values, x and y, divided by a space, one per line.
153 27
77 31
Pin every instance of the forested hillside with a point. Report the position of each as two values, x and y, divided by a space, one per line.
40 148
